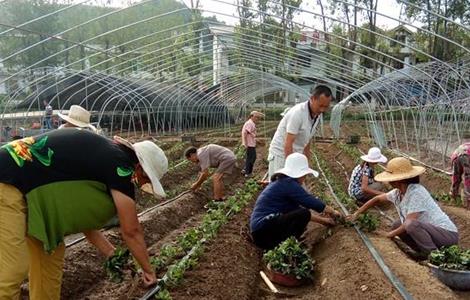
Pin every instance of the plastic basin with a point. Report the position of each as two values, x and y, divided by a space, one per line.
284 280
455 279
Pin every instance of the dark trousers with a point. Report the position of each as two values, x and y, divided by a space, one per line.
275 230
424 237
250 159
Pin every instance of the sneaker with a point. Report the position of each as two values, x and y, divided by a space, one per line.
243 172
248 175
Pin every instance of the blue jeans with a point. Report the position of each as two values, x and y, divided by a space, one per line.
48 123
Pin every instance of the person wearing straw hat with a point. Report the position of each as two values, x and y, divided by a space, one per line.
77 117
362 185
297 128
283 208
461 168
64 182
249 141
422 225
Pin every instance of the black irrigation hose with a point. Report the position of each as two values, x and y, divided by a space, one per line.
139 215
375 254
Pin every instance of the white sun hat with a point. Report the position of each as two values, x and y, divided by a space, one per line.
78 116
374 156
296 166
153 161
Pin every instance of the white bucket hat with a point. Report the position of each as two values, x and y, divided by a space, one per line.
78 116
153 161
374 156
296 166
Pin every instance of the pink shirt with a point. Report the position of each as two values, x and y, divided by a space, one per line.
249 134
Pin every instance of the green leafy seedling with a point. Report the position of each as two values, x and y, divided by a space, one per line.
290 258
116 264
368 222
452 257
163 295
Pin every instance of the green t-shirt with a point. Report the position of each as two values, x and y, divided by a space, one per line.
66 176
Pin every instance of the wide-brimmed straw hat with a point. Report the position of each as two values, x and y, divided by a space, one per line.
77 116
296 166
257 114
374 156
399 168
152 159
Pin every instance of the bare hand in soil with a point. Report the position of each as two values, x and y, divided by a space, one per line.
323 220
149 279
337 215
194 187
351 218
383 233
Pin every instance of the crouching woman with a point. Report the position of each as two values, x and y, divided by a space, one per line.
283 208
423 226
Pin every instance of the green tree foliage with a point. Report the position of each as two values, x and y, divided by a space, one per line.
435 17
160 37
261 31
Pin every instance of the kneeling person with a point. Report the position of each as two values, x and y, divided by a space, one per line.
362 185
283 208
423 226
212 156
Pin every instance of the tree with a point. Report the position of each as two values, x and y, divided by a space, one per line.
437 11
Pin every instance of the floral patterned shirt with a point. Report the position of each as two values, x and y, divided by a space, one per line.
355 182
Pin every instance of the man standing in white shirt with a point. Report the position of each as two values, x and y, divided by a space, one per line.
297 128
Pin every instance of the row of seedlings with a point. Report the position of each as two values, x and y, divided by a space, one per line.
190 245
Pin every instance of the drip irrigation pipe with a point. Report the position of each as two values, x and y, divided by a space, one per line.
138 215
375 254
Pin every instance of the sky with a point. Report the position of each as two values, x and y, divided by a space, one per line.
226 12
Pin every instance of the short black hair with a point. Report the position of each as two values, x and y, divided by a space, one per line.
189 151
320 90
412 180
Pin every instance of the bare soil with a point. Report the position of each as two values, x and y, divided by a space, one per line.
229 267
414 275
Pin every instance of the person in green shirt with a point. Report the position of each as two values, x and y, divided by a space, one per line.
63 182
